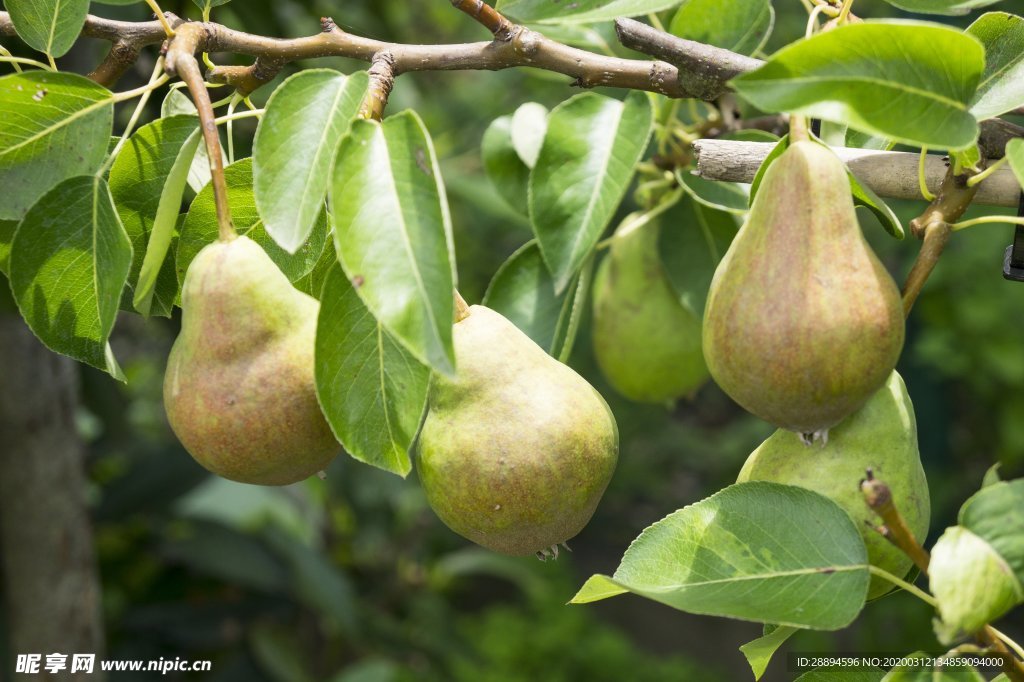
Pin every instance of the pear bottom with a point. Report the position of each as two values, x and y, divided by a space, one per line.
881 436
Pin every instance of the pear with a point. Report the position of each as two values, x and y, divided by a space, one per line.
239 390
646 343
882 436
517 448
803 323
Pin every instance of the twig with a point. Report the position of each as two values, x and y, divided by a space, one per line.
382 79
181 61
935 237
500 27
703 69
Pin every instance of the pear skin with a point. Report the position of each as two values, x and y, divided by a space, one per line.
646 343
803 323
881 436
239 389
517 448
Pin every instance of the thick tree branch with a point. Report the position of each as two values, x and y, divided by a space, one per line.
889 174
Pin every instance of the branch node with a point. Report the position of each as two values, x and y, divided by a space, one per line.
501 28
327 25
382 80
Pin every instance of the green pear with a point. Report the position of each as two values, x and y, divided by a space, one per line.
517 448
803 323
646 342
882 436
239 390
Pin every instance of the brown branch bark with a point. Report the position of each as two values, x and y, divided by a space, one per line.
50 584
382 80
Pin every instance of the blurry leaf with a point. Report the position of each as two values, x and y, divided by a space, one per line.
154 480
914 86
529 124
200 226
372 390
394 233
317 583
7 229
147 182
1002 83
68 265
1015 155
948 7
833 134
475 561
203 4
692 241
523 291
991 475
229 555
279 653
738 25
590 152
580 10
56 126
376 670
295 145
177 103
754 551
861 140
49 26
996 514
723 196
776 151
759 652
506 171
750 135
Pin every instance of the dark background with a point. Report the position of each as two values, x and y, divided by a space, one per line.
353 579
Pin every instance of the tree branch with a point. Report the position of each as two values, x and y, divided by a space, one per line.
382 80
889 174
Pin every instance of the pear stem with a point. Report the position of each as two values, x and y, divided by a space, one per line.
878 497
461 307
181 61
798 130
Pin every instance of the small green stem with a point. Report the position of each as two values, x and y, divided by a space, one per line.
844 12
206 20
1017 648
4 52
643 219
52 61
235 99
156 77
655 21
255 113
912 589
1011 220
143 90
980 177
922 181
812 20
160 16
25 60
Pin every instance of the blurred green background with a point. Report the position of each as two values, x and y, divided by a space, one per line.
353 579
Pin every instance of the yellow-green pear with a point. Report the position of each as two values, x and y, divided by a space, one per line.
517 448
803 323
882 436
239 390
647 344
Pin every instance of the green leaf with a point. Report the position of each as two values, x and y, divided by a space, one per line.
590 152
295 144
147 182
177 103
693 240
909 81
7 229
200 226
524 292
759 652
394 234
722 196
947 7
50 26
69 263
754 551
56 126
506 171
372 390
738 25
776 151
529 125
991 474
580 10
996 514
1002 83
313 281
203 4
1015 156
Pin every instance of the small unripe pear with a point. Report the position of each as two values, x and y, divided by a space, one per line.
645 342
239 390
803 323
517 448
881 436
